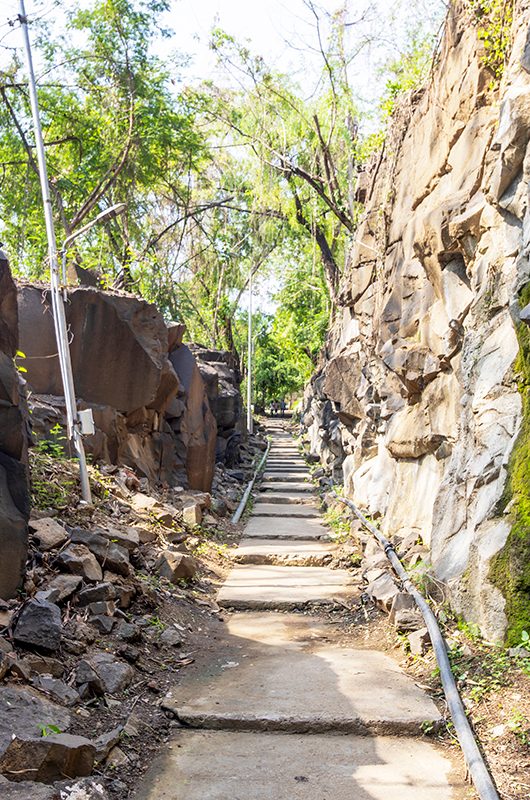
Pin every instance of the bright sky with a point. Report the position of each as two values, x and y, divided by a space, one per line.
282 31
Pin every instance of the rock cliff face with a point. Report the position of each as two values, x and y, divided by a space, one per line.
418 405
14 490
143 384
223 386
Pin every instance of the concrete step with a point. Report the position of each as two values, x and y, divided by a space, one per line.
266 509
266 587
277 552
217 765
286 486
286 476
283 679
287 466
287 457
285 528
285 498
283 465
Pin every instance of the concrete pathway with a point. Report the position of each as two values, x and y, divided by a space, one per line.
283 709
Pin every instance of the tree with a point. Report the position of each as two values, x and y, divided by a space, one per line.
114 132
304 151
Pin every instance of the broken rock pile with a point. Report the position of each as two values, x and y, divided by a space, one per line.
90 631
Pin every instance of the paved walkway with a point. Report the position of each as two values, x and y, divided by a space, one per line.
285 711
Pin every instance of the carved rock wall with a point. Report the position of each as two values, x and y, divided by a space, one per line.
14 488
149 401
416 405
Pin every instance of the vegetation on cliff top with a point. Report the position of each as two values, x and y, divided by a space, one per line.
494 20
248 175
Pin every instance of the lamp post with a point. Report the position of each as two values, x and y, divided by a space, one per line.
74 429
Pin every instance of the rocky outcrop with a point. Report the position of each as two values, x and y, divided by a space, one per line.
222 379
142 383
416 406
14 490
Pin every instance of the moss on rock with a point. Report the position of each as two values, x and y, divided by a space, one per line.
510 568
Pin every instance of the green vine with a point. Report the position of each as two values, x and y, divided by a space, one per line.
494 19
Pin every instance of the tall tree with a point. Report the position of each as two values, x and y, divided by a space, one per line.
304 150
115 131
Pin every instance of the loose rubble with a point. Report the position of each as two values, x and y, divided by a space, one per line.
113 600
381 585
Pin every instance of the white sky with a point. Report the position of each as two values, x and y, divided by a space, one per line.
282 31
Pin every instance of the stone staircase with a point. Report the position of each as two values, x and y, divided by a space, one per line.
287 710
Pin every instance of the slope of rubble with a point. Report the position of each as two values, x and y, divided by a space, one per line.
117 599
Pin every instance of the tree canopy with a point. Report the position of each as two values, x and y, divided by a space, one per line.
219 182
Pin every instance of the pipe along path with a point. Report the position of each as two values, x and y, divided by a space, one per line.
472 755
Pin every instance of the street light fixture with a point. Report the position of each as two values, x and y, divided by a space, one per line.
109 213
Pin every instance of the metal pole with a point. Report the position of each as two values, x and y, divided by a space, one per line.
250 421
59 317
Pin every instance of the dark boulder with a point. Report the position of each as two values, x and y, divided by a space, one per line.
39 625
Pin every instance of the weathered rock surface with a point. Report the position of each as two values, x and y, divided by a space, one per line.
195 423
23 712
103 672
60 588
83 789
14 489
416 406
39 625
106 367
109 554
176 566
222 379
148 397
78 560
25 790
48 758
48 532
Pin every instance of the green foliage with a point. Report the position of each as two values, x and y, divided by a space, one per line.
287 343
114 132
519 724
51 483
337 519
156 622
510 568
494 20
54 446
481 669
48 730
409 71
19 367
301 152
